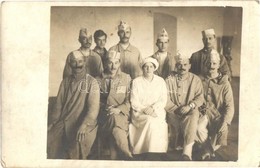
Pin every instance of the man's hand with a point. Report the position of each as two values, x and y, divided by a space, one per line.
112 110
82 132
185 109
224 127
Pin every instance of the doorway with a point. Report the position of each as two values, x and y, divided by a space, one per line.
168 22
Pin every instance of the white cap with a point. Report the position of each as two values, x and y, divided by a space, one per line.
112 54
76 55
181 57
123 26
214 55
163 35
84 32
208 32
152 60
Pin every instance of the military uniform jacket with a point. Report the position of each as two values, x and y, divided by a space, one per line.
130 60
218 92
77 103
102 53
192 87
115 92
198 63
166 67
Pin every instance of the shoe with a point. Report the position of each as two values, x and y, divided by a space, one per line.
185 158
206 157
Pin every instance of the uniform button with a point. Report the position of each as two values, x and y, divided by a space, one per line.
179 95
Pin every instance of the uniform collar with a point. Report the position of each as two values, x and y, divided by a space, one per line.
218 80
156 55
129 48
90 52
99 50
207 50
77 77
182 78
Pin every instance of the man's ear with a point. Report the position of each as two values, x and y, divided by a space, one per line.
157 43
189 66
79 40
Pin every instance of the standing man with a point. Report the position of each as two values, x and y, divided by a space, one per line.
100 38
115 106
199 58
219 107
93 61
185 95
73 123
165 59
130 56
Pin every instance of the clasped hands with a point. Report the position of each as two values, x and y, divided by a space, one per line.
112 110
149 111
183 110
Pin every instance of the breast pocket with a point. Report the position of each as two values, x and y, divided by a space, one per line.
121 89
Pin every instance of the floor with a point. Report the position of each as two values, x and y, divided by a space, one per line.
228 153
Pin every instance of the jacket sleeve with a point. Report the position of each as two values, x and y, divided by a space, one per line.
139 71
134 98
228 104
224 68
67 69
170 105
162 100
193 63
92 104
56 112
99 67
198 93
125 106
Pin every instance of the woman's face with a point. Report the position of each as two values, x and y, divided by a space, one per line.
148 69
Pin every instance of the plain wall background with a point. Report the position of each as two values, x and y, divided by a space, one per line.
66 22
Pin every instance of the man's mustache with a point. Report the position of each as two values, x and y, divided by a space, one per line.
79 67
88 43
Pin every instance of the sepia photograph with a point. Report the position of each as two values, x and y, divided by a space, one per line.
144 83
130 84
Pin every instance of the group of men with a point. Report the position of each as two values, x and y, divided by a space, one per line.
94 96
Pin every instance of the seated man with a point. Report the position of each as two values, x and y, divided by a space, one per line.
185 95
115 106
218 110
73 122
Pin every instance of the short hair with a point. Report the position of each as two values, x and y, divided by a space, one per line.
99 33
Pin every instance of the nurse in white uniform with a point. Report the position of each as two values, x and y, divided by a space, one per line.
148 130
